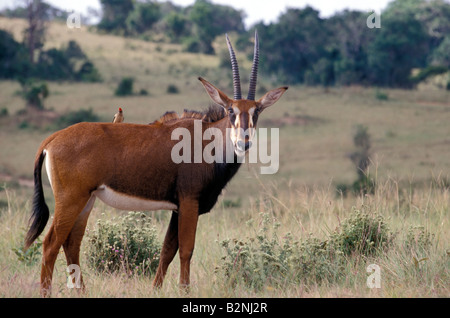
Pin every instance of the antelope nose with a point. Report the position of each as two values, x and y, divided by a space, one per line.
244 146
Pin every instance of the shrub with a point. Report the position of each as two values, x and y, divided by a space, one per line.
125 244
258 260
88 73
267 260
34 92
4 112
229 203
24 125
75 117
125 87
172 89
364 184
191 44
143 92
362 233
428 72
381 95
31 255
419 239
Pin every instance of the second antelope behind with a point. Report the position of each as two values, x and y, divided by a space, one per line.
129 167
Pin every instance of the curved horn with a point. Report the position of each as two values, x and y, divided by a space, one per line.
235 68
254 74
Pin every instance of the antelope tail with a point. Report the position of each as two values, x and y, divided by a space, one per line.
40 213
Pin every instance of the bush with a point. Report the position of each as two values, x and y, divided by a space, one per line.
172 89
14 59
361 234
88 73
365 183
125 87
34 92
143 92
418 239
125 244
428 72
265 260
31 255
192 45
257 261
4 112
75 117
381 95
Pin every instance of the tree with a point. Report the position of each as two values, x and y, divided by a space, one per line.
434 15
34 34
351 39
68 63
13 57
211 20
294 44
143 16
115 14
176 25
441 55
399 46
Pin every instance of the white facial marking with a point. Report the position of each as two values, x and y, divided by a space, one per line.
237 120
123 201
251 111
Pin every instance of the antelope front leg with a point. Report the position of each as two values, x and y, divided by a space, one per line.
169 249
187 226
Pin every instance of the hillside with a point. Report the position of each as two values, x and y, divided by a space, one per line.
409 131
293 217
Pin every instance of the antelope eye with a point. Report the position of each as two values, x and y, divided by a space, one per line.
230 110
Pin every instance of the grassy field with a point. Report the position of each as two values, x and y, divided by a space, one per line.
410 156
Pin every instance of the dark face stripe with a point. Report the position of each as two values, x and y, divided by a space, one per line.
244 120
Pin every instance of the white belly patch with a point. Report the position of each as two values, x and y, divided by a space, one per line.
123 201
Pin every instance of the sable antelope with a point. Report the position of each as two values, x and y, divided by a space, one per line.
82 167
118 117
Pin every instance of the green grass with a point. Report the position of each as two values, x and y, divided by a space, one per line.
410 152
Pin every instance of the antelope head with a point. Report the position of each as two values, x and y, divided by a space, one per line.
243 113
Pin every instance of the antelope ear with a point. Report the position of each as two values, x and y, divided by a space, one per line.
216 94
271 97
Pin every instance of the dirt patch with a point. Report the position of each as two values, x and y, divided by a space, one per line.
24 182
30 117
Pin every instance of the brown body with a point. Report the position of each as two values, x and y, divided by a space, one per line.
115 146
130 167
